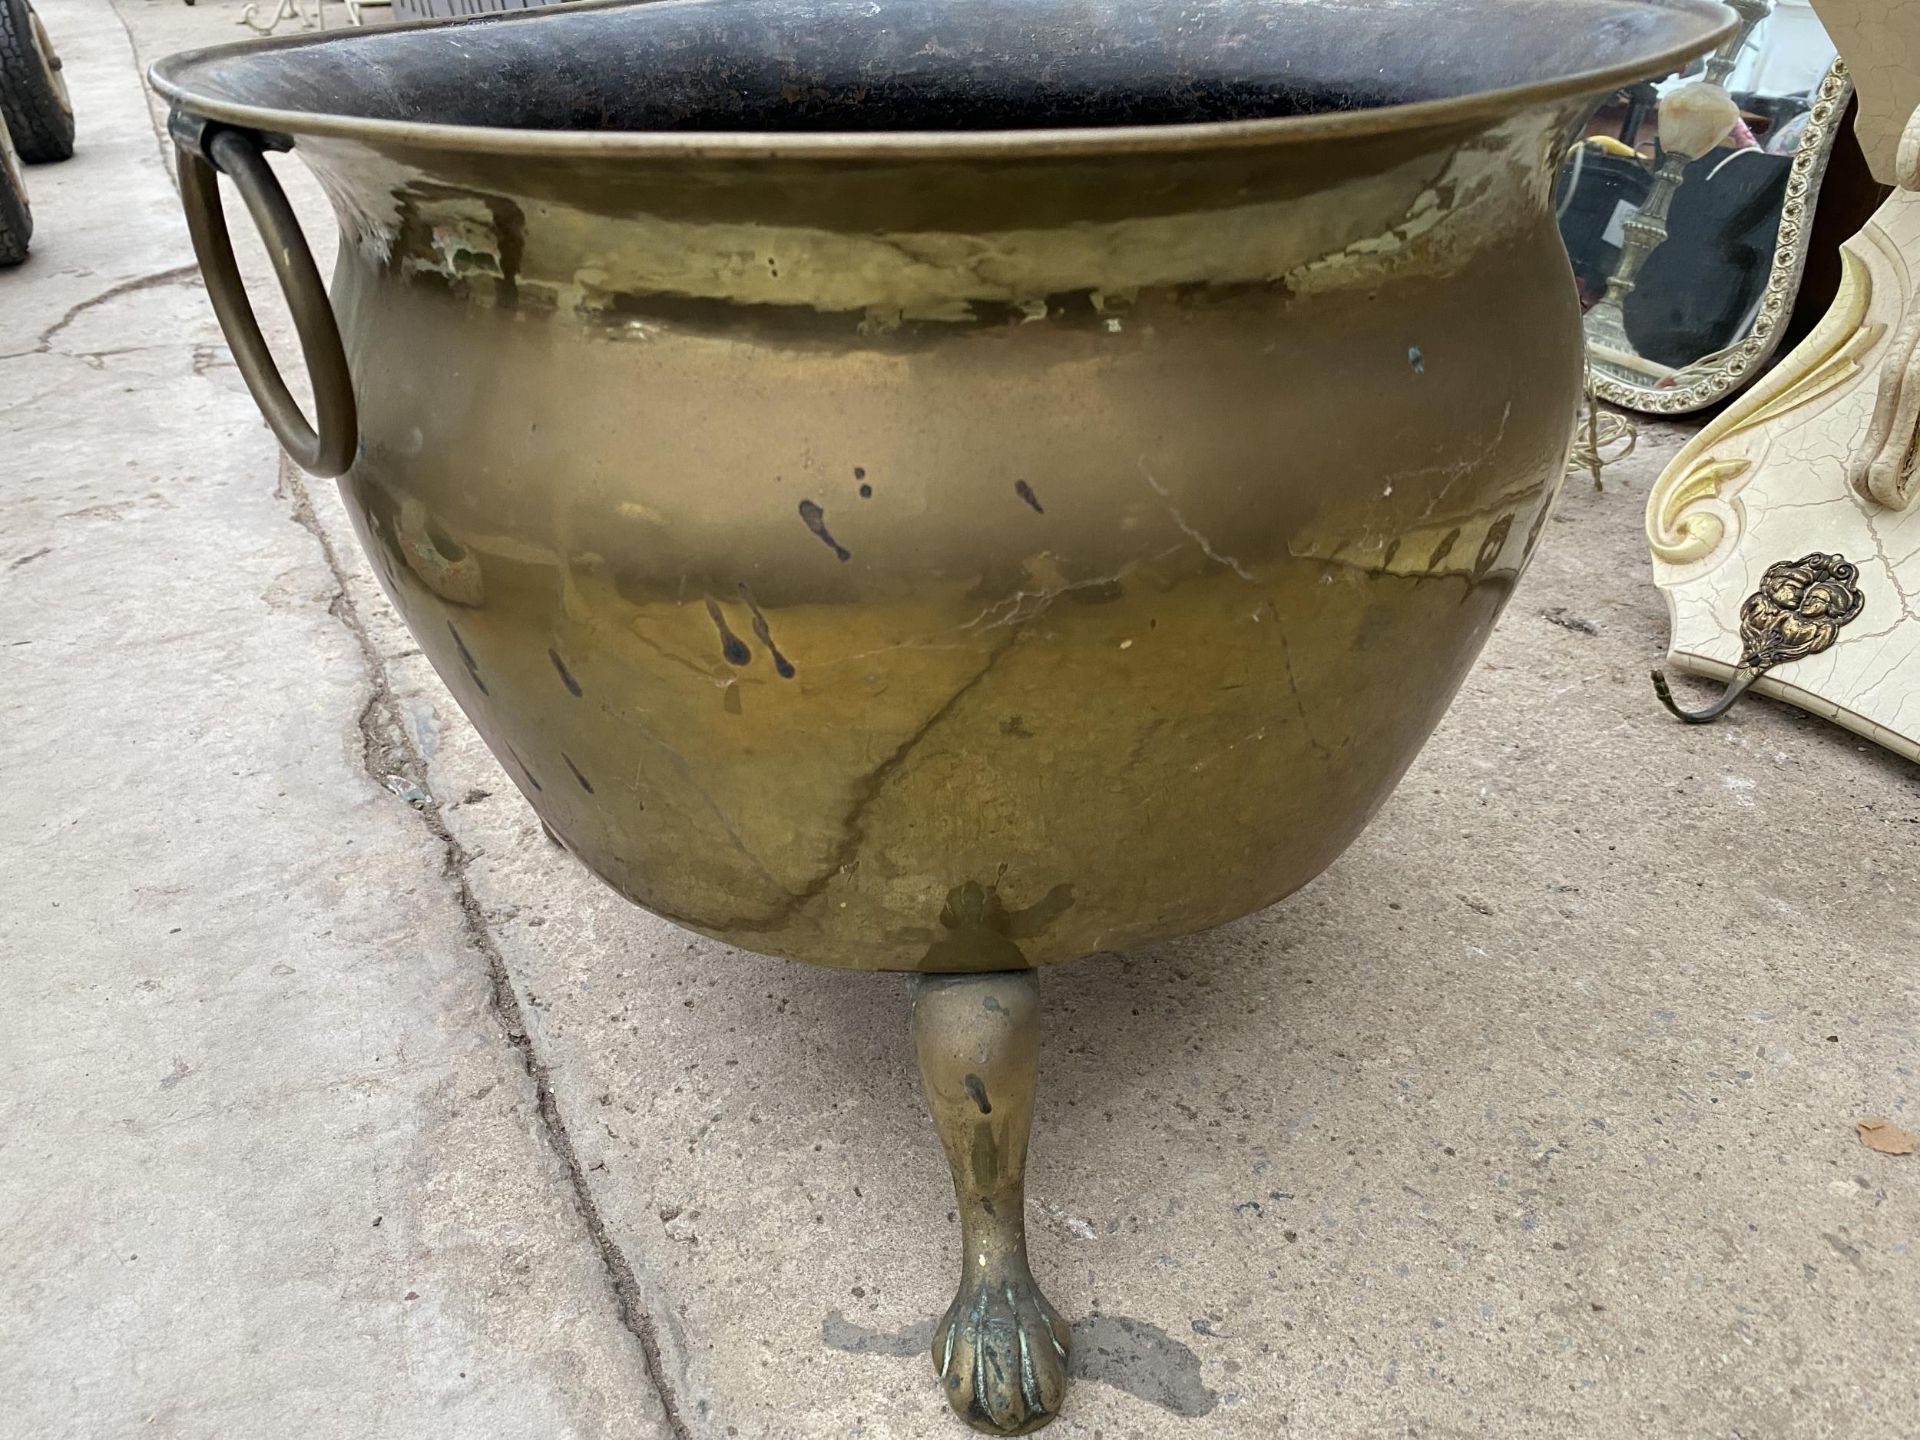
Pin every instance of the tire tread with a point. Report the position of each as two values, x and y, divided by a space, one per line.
42 127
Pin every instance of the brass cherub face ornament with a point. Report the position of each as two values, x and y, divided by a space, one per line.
1797 611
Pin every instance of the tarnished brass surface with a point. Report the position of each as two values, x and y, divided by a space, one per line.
817 525
1001 1349
1145 606
1033 499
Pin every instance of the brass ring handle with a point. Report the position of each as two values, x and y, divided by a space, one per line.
206 152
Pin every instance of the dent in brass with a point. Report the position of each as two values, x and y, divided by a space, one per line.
1001 1350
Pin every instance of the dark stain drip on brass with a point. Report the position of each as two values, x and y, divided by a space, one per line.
585 784
761 629
866 492
859 472
979 1094
532 779
466 658
566 675
816 521
510 234
1797 611
1491 546
733 649
1025 492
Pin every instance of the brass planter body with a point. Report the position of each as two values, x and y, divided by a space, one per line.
874 530
1264 543
954 551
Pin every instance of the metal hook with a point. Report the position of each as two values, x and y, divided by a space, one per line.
1797 611
1743 678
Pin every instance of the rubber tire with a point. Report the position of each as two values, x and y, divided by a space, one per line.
16 220
32 99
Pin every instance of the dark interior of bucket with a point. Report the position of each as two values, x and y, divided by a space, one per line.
945 65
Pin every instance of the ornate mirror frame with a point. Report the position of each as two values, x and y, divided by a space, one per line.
1715 376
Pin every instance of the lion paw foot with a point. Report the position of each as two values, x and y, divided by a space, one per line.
1002 1356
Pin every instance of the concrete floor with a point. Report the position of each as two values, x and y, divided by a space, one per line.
341 1104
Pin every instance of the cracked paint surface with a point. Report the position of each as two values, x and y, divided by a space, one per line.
1795 498
1881 46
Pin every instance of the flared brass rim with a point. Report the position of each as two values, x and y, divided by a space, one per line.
170 78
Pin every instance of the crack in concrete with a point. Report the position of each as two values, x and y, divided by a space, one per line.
43 345
388 749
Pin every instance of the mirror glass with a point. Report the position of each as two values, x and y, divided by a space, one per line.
1672 207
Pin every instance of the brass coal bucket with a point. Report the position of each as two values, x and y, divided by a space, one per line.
946 486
